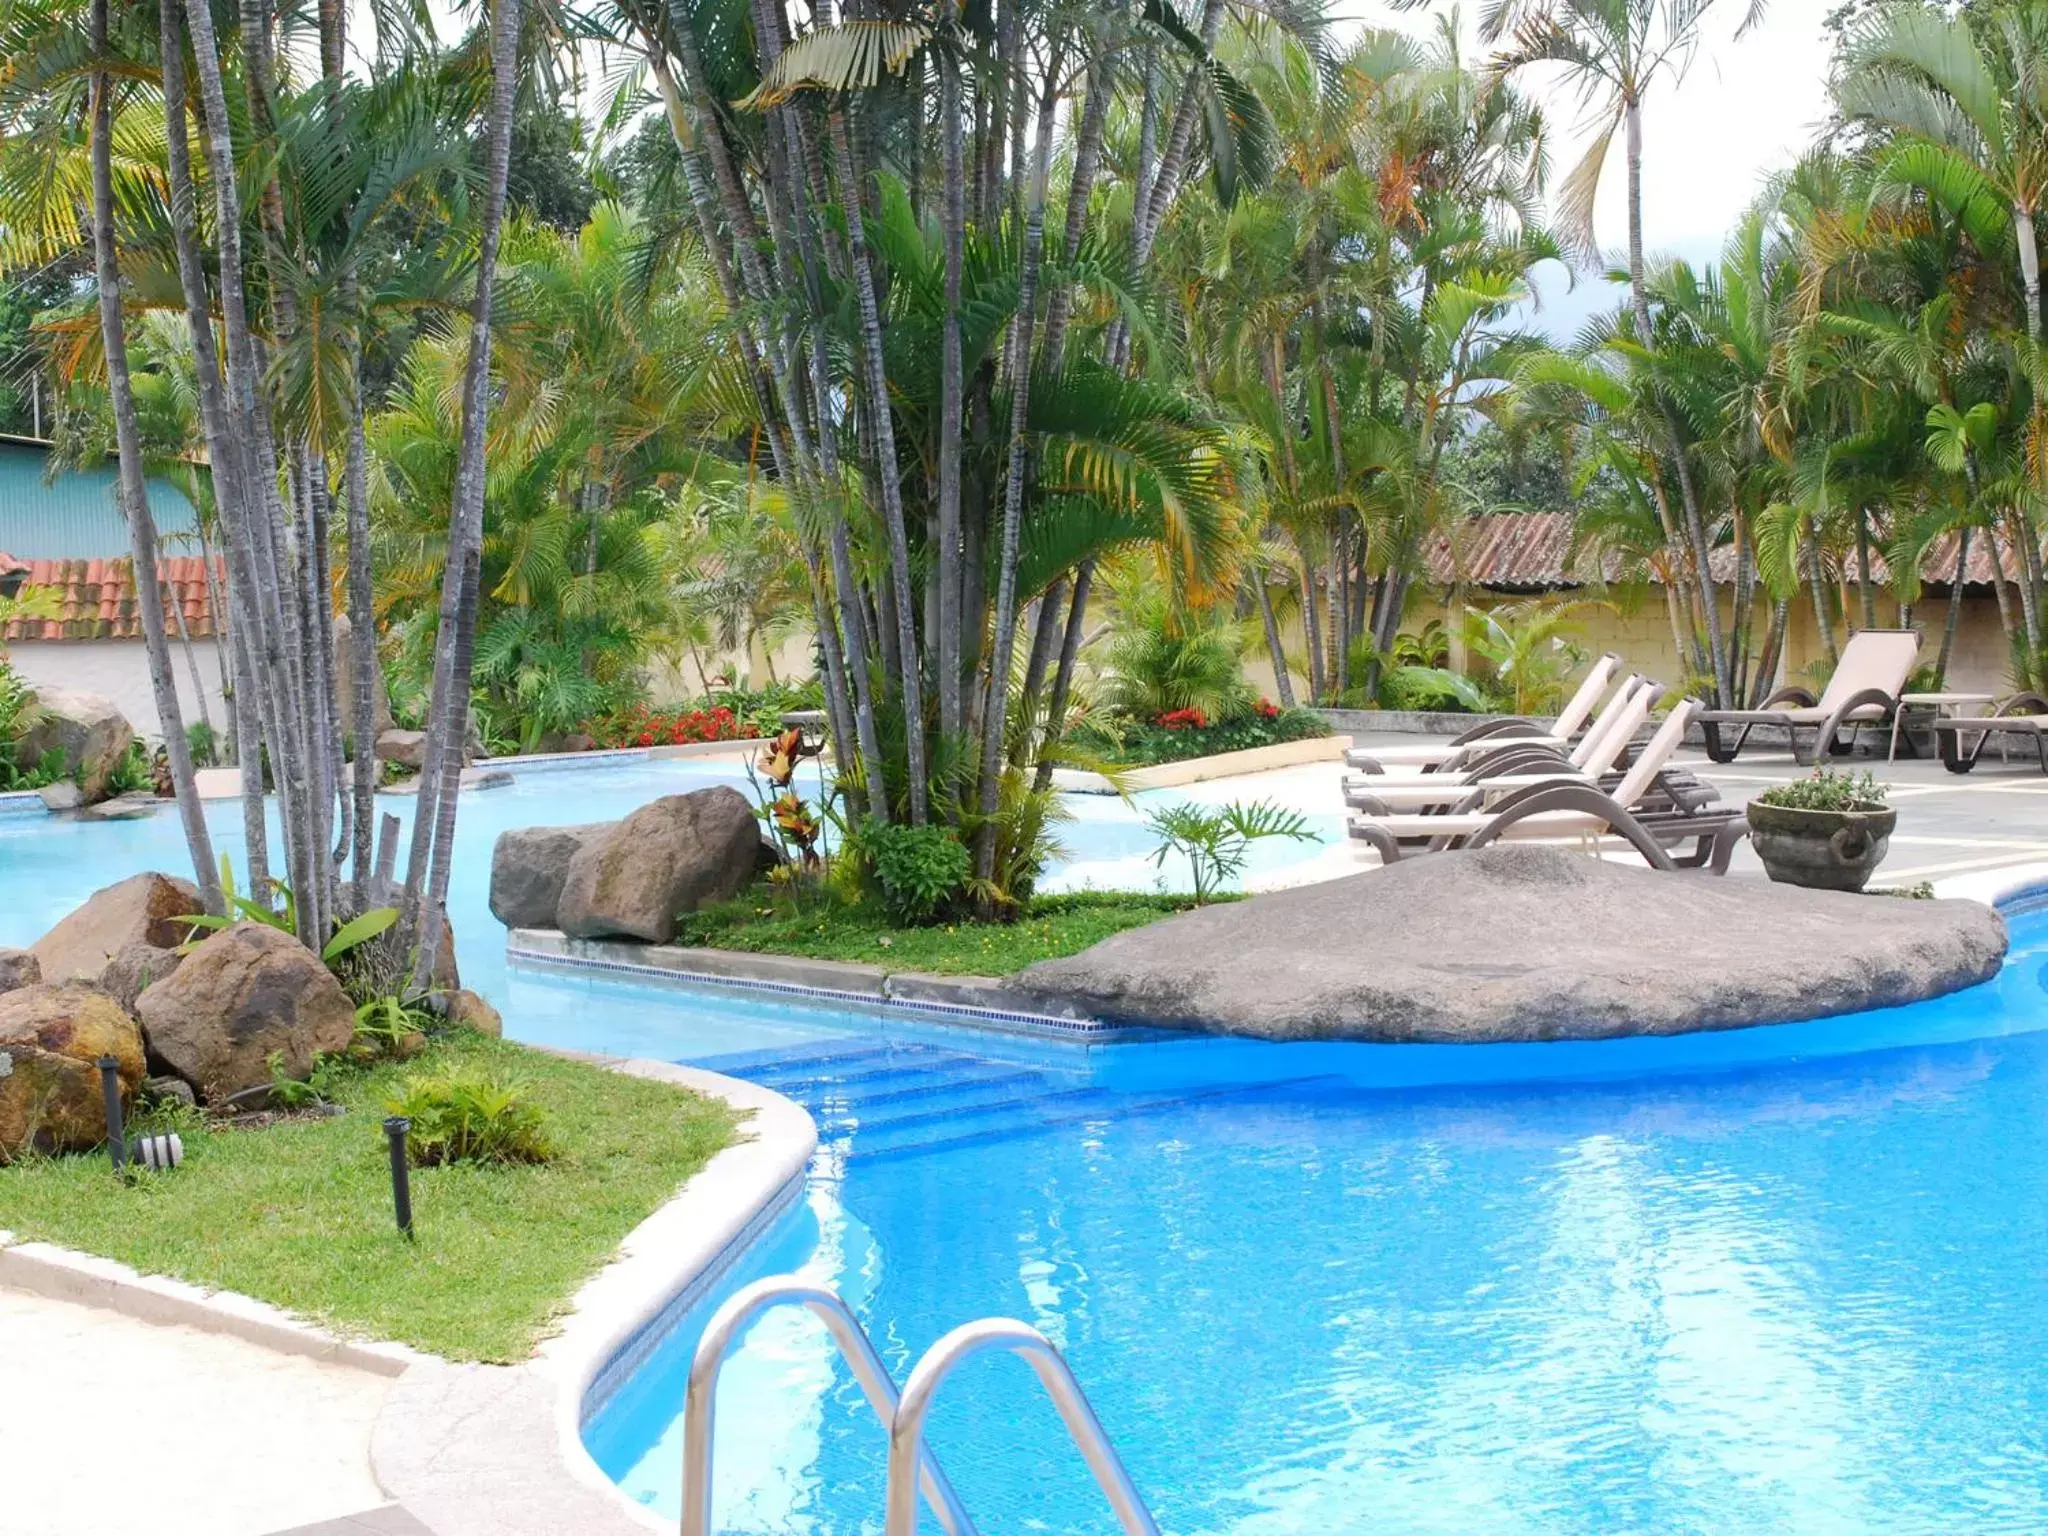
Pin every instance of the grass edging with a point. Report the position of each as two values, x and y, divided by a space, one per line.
86 1279
293 1221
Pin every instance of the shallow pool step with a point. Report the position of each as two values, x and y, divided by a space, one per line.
796 1064
863 1118
914 1136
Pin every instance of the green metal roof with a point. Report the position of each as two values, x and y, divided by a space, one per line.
74 516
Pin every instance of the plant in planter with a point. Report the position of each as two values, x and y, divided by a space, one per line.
1828 831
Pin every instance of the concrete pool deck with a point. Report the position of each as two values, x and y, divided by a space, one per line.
1949 823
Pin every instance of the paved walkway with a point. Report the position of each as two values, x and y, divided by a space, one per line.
111 1425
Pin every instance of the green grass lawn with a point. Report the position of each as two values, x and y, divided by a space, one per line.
299 1214
834 930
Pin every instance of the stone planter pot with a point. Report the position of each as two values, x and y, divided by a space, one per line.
1823 850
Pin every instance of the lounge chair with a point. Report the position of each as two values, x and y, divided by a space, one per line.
1873 671
1567 810
1571 720
1599 753
2024 715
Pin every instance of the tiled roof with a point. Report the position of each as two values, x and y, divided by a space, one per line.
1532 552
99 598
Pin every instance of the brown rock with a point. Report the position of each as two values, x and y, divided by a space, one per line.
672 855
18 968
143 909
245 995
90 731
408 749
472 1012
134 969
528 868
51 1040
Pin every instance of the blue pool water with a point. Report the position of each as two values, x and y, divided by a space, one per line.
1786 1280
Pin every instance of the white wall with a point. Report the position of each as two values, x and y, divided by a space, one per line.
119 670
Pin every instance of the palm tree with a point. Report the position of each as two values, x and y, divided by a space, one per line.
1613 52
134 490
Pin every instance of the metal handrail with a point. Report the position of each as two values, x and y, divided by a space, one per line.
724 1330
906 1429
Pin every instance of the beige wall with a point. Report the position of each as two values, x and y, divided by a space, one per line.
119 670
1640 633
673 680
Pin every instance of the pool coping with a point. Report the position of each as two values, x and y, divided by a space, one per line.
975 1002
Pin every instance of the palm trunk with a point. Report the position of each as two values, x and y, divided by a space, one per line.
255 539
433 840
1823 619
134 491
1773 651
1955 606
363 663
952 386
994 718
1282 683
1689 500
1866 594
1312 635
192 666
891 486
1063 679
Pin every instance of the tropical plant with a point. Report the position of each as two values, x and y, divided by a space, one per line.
282 912
1216 840
468 1115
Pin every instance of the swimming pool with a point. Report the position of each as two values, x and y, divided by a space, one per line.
1776 1280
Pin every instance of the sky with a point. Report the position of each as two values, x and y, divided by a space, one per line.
1744 109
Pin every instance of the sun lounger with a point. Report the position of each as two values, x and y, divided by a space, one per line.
1962 741
1865 689
1598 754
1571 720
1564 810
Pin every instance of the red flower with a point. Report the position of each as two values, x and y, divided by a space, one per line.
1268 708
1183 719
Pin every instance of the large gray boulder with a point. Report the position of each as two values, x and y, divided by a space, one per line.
672 855
90 731
143 909
528 867
246 994
1525 943
51 1040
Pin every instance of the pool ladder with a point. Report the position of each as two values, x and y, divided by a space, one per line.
912 1467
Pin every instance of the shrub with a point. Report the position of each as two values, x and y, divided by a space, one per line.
467 1116
644 727
1828 790
1165 659
1138 743
922 871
